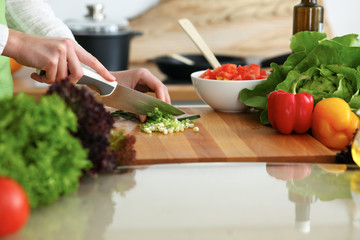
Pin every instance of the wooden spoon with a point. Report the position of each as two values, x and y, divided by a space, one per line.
194 35
182 59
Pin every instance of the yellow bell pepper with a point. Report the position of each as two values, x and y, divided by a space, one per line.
333 123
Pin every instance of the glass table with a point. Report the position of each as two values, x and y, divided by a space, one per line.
207 201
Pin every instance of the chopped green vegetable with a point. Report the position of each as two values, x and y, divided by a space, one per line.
126 115
134 117
332 65
192 117
37 148
156 122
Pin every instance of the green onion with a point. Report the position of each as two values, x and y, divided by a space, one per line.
156 122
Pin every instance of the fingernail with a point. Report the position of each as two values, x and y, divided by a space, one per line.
113 78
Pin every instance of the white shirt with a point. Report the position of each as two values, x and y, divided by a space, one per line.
33 17
4 34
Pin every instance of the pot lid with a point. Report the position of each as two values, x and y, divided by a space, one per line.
95 22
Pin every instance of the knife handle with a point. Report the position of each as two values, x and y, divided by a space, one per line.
92 78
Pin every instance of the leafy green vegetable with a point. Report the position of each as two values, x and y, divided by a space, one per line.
157 122
37 148
47 146
332 65
94 128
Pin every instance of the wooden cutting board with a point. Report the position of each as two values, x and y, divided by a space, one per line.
225 137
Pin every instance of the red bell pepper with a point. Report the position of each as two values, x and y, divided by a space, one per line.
290 112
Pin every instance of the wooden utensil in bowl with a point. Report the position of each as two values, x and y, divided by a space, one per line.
194 35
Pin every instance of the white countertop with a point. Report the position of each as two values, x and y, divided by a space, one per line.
203 201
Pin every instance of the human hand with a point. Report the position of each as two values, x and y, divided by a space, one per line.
59 58
143 80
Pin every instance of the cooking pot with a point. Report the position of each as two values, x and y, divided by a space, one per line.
108 41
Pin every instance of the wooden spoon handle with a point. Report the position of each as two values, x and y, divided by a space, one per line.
182 59
199 42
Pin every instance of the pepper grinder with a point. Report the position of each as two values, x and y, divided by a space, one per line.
308 16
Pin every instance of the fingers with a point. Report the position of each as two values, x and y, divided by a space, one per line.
50 75
36 77
143 80
62 58
42 78
161 91
92 62
61 61
62 67
74 66
142 118
53 60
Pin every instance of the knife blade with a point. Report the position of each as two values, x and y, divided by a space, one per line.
124 98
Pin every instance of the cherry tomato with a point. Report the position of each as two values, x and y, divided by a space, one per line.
14 206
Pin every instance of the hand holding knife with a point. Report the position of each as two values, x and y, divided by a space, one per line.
124 98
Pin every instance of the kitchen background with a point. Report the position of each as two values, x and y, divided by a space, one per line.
255 28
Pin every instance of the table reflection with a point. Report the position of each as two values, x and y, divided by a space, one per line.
307 183
83 215
192 201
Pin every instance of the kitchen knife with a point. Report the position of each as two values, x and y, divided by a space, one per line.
124 98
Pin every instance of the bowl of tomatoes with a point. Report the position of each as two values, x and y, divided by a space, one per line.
220 88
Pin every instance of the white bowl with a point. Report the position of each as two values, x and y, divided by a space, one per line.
222 96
